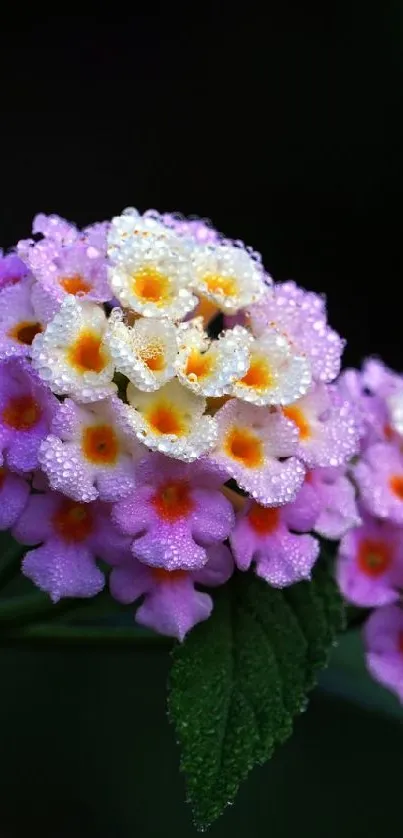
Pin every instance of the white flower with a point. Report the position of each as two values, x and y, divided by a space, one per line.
209 367
277 375
71 355
228 276
144 352
256 447
132 224
171 421
150 270
395 405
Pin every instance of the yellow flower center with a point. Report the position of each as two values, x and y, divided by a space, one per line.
86 354
151 286
298 417
243 445
75 284
259 375
224 286
165 418
100 444
198 365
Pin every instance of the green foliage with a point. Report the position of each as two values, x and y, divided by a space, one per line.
240 678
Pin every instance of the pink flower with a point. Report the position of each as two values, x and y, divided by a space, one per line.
14 493
301 316
370 563
66 261
255 448
335 495
383 638
12 269
172 605
176 512
89 454
371 410
327 426
271 539
26 411
379 476
19 322
71 537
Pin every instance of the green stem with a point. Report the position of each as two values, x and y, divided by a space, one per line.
23 608
83 634
10 563
38 606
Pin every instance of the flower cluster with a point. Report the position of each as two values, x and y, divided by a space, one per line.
167 408
370 561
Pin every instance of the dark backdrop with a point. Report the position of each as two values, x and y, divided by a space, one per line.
285 129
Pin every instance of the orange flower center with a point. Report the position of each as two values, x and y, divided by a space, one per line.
86 354
400 642
374 557
151 286
162 575
2 476
206 309
388 432
75 284
21 413
153 357
396 484
198 365
224 286
263 521
246 447
100 444
173 501
25 331
73 521
259 375
164 419
298 417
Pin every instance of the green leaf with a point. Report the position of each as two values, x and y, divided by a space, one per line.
240 678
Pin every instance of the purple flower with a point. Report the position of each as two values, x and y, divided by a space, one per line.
18 320
172 605
12 269
301 316
71 537
383 638
14 493
255 448
327 425
370 408
335 495
175 513
379 476
26 411
88 453
66 261
370 563
378 379
272 540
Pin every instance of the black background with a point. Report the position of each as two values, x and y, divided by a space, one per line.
283 126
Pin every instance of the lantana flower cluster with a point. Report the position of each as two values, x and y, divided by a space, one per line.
370 562
168 411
